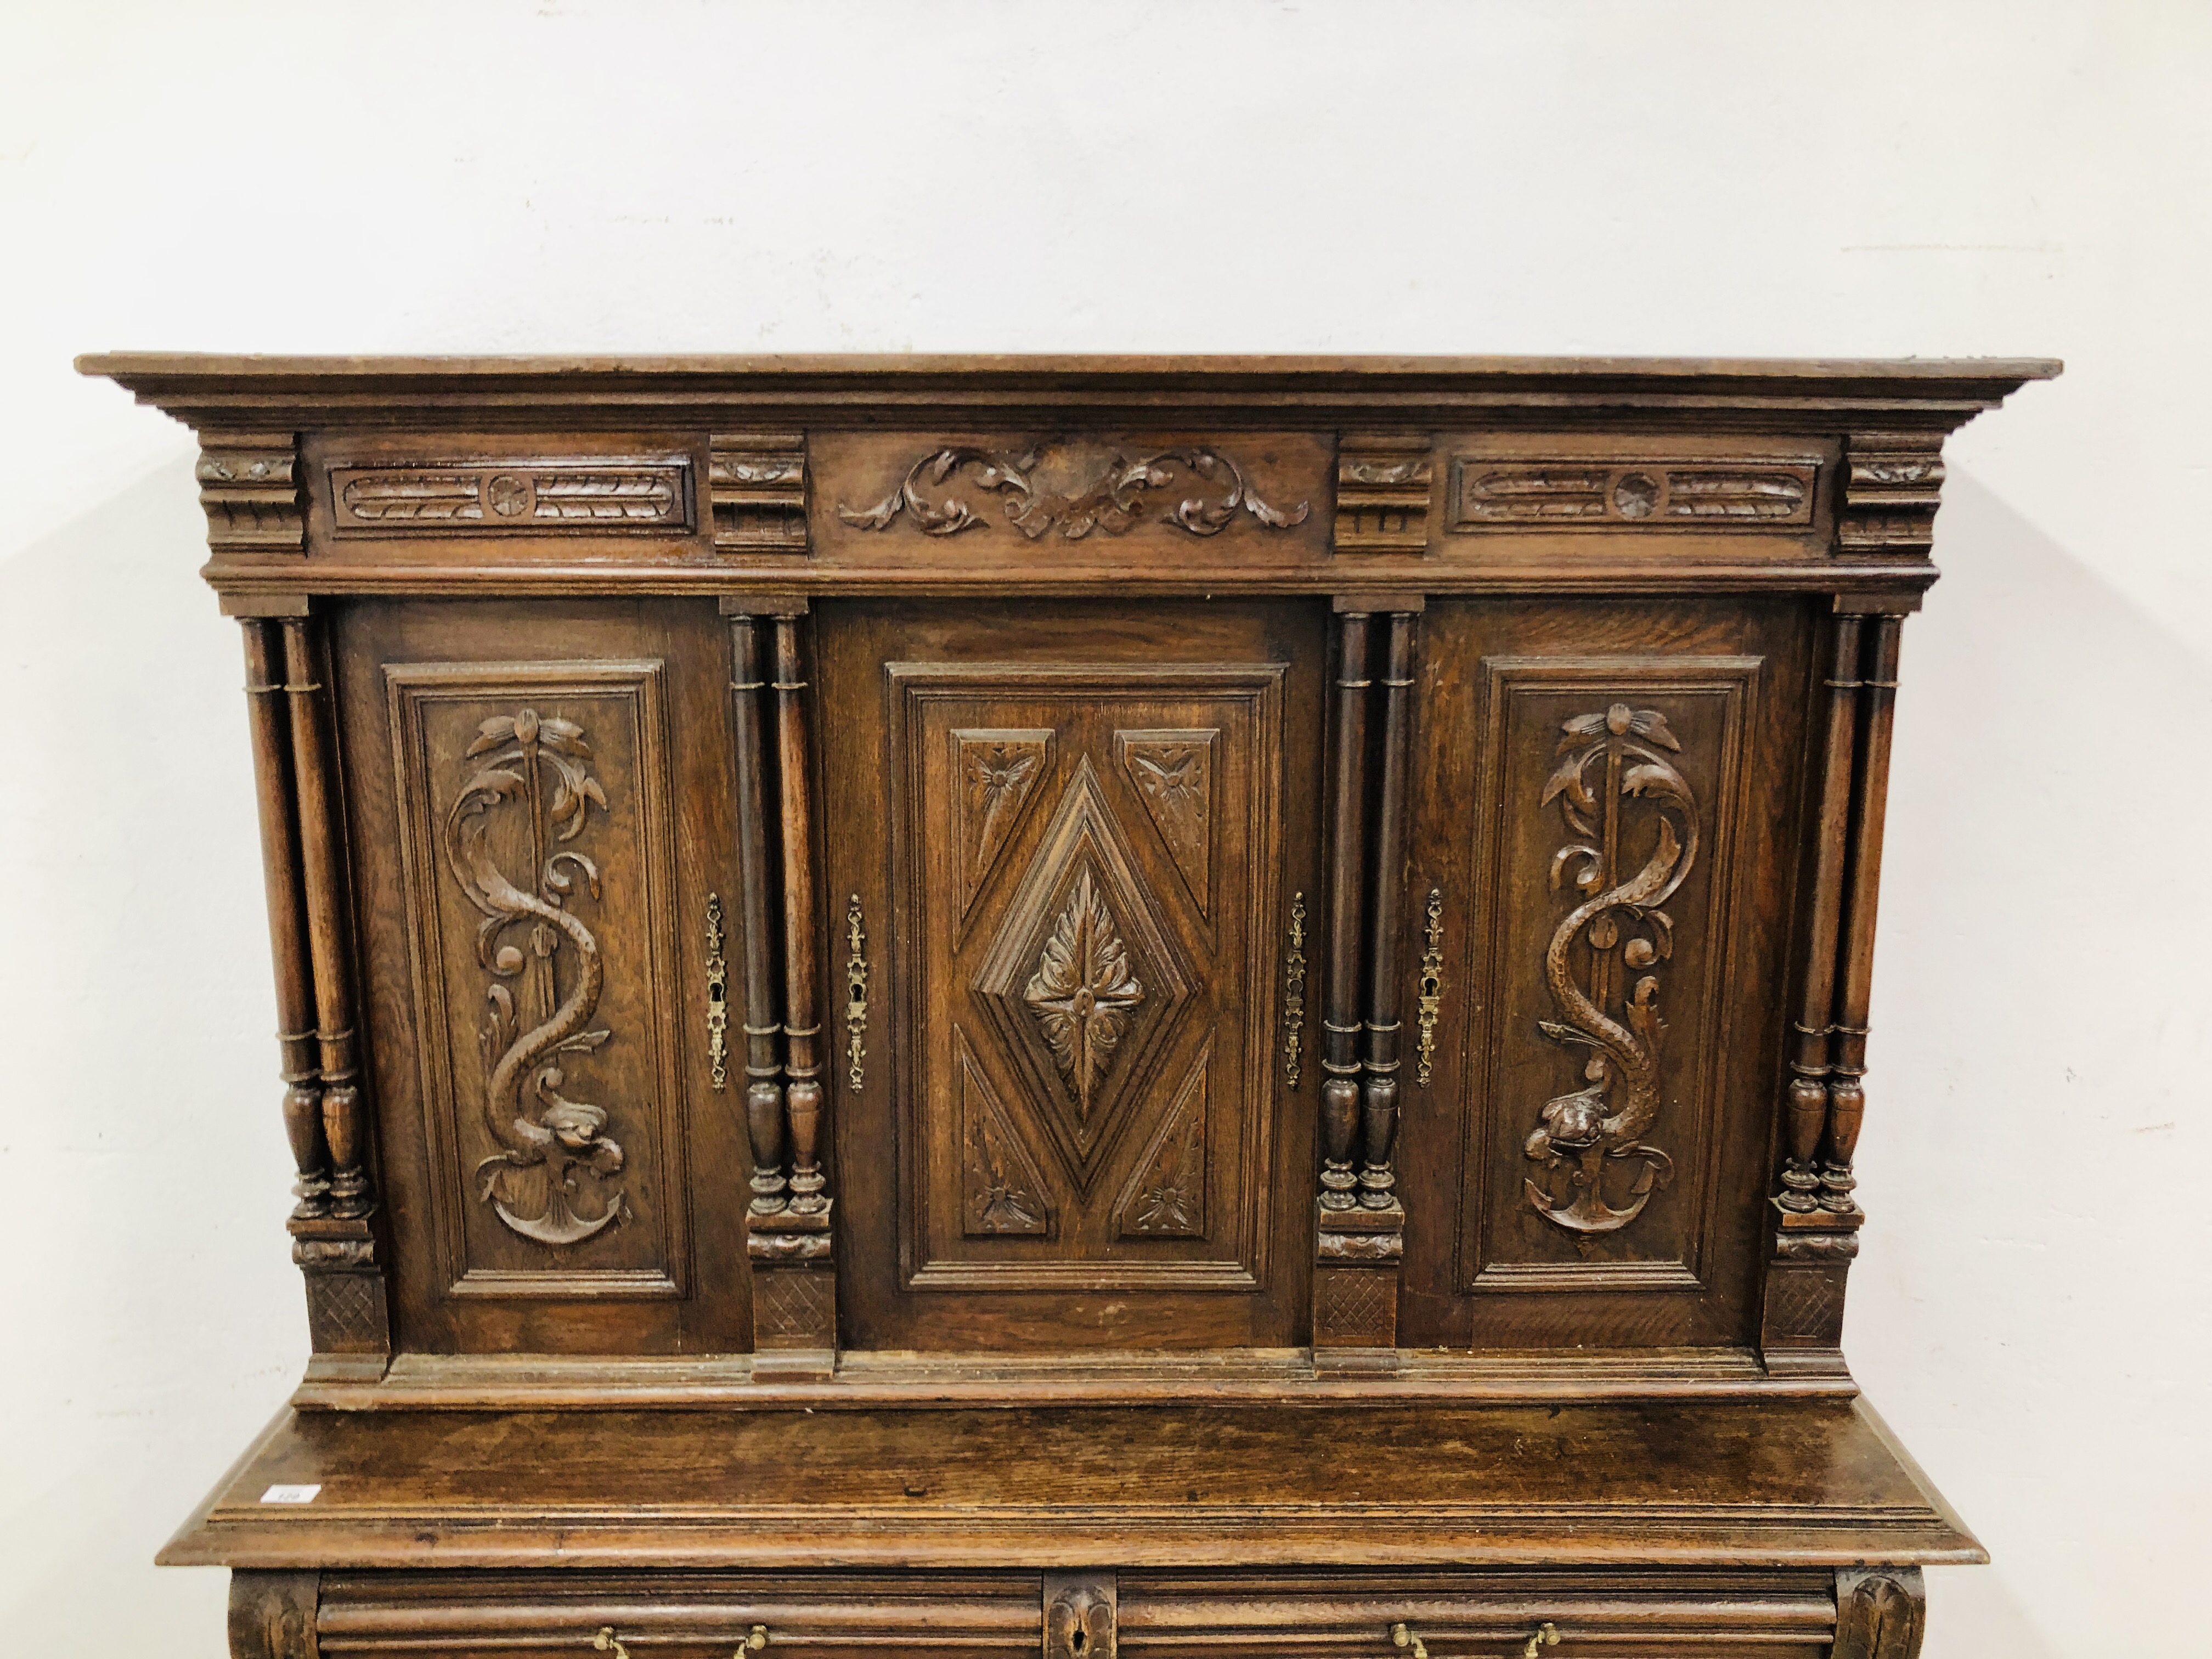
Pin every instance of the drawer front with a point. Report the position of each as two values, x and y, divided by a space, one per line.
664 1615
1477 1615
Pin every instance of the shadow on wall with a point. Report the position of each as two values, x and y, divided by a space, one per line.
2038 1047
151 1284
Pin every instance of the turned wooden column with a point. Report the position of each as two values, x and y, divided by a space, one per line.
1847 1070
1339 1018
788 1237
1379 1092
1806 1113
268 726
1359 1228
763 1025
1816 1239
348 1308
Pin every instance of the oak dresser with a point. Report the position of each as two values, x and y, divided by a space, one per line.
1045 1006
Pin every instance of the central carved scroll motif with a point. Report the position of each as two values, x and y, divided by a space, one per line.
1591 1141
551 1147
1073 486
1084 991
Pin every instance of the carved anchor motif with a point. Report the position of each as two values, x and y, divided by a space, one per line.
541 1154
1581 1134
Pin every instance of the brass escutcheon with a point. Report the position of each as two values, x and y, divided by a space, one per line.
1547 1636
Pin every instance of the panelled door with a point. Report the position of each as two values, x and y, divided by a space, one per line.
540 798
1608 808
1074 833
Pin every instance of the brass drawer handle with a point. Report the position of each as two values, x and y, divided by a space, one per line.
607 1642
1547 1636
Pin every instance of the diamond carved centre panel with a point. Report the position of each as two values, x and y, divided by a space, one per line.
1082 981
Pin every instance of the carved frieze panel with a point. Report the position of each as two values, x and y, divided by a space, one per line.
1606 830
1174 775
537 857
1072 488
1596 492
511 495
1048 499
1091 1050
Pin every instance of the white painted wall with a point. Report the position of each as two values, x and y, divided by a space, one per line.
1936 177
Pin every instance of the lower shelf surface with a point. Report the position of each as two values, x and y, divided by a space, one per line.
1738 1484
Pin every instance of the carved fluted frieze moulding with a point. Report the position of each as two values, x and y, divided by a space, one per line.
1594 1168
1599 494
554 1149
250 490
1069 488
1382 487
512 494
756 486
1893 483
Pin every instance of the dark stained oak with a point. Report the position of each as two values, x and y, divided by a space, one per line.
1073 1006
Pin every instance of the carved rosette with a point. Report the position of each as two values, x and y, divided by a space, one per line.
1589 1144
1071 488
551 1146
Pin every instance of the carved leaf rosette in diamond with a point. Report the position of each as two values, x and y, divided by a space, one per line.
1589 1145
554 1150
1072 487
1081 981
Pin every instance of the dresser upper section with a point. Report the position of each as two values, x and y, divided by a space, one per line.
1059 474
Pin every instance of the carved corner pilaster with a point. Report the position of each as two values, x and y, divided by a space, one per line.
756 485
1893 482
250 488
349 1307
272 1615
1382 490
1881 1613
1801 1313
794 1293
1082 1615
1356 1256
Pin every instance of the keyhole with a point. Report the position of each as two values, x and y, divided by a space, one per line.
1081 1640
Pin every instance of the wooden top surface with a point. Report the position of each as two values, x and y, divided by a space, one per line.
982 366
203 388
1807 1483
